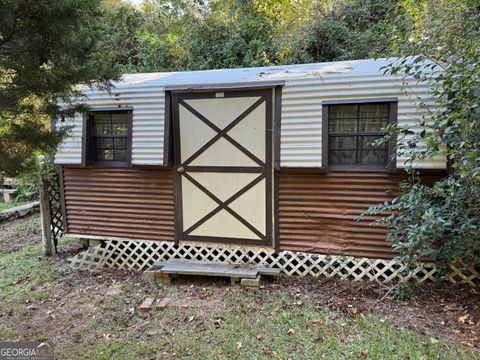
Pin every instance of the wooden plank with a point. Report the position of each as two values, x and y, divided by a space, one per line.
268 271
212 269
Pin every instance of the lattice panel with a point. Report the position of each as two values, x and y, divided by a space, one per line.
139 255
55 208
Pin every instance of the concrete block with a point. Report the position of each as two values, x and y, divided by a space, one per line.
93 242
148 276
251 282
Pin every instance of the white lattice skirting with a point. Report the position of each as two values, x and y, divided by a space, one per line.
139 255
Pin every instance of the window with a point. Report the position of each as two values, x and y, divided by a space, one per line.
109 137
352 129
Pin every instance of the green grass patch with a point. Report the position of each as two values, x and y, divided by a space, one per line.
250 325
22 273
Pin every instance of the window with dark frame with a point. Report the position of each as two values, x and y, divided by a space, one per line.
109 136
352 129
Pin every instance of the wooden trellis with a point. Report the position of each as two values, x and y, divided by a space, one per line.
56 215
51 212
139 255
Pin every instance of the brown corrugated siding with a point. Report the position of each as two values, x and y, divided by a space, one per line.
132 203
317 211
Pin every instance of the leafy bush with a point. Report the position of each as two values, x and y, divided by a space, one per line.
441 222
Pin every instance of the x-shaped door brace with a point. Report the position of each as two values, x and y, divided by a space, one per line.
223 205
223 133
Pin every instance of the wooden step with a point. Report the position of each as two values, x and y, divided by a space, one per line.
165 269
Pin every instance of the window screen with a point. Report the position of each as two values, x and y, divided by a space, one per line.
109 136
351 130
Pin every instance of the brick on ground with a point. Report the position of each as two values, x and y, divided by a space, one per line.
162 304
147 304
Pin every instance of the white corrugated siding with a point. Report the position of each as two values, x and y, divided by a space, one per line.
70 151
301 127
147 128
301 130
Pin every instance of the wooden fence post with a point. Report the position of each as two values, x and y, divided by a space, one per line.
45 218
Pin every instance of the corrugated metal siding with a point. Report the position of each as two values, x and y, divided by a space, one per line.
147 130
301 130
316 212
301 125
131 203
70 151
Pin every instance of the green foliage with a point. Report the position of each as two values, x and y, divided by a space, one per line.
195 35
46 48
345 30
443 221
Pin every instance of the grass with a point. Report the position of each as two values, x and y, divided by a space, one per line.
93 319
270 330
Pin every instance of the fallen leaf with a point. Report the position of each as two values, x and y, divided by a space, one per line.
291 331
259 336
239 344
463 318
266 349
276 356
191 318
364 352
217 323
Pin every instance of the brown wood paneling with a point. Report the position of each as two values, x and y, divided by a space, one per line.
134 203
316 212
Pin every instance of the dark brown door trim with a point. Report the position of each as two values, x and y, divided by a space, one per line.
264 170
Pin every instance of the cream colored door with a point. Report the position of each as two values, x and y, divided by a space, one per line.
223 152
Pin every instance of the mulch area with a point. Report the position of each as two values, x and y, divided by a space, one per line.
442 311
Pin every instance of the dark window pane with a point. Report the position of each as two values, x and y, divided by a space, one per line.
104 143
119 123
373 110
342 111
374 125
120 155
101 124
372 157
347 124
343 142
110 136
342 125
338 157
121 143
105 155
364 142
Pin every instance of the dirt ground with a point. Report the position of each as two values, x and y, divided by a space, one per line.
72 298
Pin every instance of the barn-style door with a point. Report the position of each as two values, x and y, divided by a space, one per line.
223 155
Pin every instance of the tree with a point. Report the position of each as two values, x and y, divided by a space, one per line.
46 48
